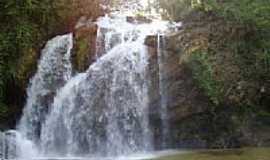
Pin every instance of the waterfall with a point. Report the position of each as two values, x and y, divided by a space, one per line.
104 111
99 41
54 70
101 112
163 92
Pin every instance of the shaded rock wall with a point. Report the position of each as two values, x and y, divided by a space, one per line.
84 46
184 99
195 121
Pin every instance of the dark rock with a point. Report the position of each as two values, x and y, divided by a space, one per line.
138 19
194 121
172 42
184 99
151 41
85 46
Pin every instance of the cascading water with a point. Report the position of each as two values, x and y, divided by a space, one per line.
105 110
14 145
102 112
162 92
54 70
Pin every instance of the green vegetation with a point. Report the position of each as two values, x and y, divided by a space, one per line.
174 9
204 74
238 154
19 24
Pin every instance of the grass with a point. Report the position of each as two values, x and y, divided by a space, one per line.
234 154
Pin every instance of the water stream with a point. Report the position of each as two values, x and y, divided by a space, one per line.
165 135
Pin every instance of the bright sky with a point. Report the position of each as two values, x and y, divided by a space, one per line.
144 2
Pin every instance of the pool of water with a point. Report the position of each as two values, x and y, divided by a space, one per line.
232 154
138 156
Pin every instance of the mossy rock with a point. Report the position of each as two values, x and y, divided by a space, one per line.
84 47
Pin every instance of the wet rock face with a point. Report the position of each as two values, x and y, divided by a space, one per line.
151 41
194 121
183 97
191 123
172 43
85 46
138 19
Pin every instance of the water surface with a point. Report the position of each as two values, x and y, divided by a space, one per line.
233 154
